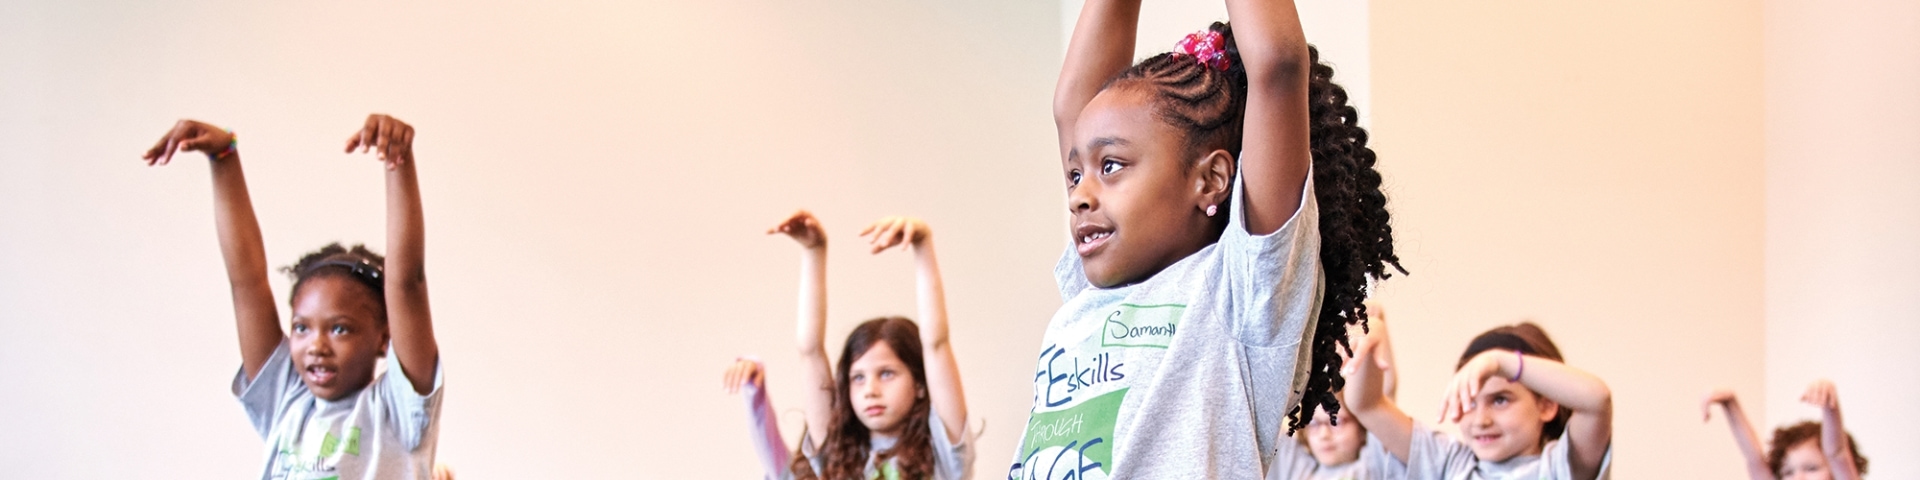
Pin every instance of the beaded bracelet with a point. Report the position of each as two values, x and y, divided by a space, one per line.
233 146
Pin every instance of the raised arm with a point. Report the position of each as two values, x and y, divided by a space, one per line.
814 371
240 245
943 372
1591 427
1365 394
1275 152
1743 434
1833 432
746 376
408 318
1102 46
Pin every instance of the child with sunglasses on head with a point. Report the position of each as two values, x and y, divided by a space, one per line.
893 407
1522 413
312 390
1226 217
1807 450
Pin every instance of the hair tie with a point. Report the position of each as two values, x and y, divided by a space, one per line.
1206 47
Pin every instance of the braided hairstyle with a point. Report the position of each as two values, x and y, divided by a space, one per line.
358 263
1787 437
1356 239
849 442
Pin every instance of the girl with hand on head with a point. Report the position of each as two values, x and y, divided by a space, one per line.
1522 413
1807 450
892 407
311 391
1226 217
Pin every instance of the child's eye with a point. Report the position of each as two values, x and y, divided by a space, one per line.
299 328
1110 166
886 375
339 330
1500 400
1073 178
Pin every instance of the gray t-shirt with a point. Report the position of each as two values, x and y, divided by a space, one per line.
384 431
951 461
1296 462
1176 376
1437 456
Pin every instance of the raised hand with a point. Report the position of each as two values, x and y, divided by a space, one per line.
743 372
389 137
1821 394
1718 397
1466 383
803 228
190 135
896 231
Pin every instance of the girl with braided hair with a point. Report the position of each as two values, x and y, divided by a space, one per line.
1226 217
313 390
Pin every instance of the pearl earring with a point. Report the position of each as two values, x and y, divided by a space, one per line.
1211 209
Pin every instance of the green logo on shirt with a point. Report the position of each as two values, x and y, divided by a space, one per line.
1142 325
1074 442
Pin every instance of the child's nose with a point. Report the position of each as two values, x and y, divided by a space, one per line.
1082 198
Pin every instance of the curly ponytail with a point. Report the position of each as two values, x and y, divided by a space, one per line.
1356 237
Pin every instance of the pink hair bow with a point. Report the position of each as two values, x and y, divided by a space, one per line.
1206 47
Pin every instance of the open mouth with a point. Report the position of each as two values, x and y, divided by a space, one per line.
1089 238
320 375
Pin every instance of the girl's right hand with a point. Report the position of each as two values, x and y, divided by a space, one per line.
1719 396
742 372
189 135
803 229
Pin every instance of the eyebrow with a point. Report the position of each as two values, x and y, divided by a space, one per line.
1106 141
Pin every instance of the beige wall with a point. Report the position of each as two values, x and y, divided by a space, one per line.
1843 218
1595 167
598 177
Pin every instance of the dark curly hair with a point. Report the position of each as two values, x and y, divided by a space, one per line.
358 263
1531 340
1356 239
848 442
1787 437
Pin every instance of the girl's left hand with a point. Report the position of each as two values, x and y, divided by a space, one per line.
895 231
1466 383
387 136
1822 394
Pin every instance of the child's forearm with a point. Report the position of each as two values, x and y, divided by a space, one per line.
1275 154
943 371
241 248
815 374
1590 430
767 441
1833 439
1102 45
409 318
1386 422
1748 440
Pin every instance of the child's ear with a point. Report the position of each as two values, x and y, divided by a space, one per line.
1213 179
1548 408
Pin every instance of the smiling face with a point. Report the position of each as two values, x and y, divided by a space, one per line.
337 334
1137 195
1804 461
881 390
1335 444
1506 421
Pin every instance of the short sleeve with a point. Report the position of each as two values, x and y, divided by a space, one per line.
1560 465
267 396
1379 462
951 460
1434 456
1273 279
411 413
1292 462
